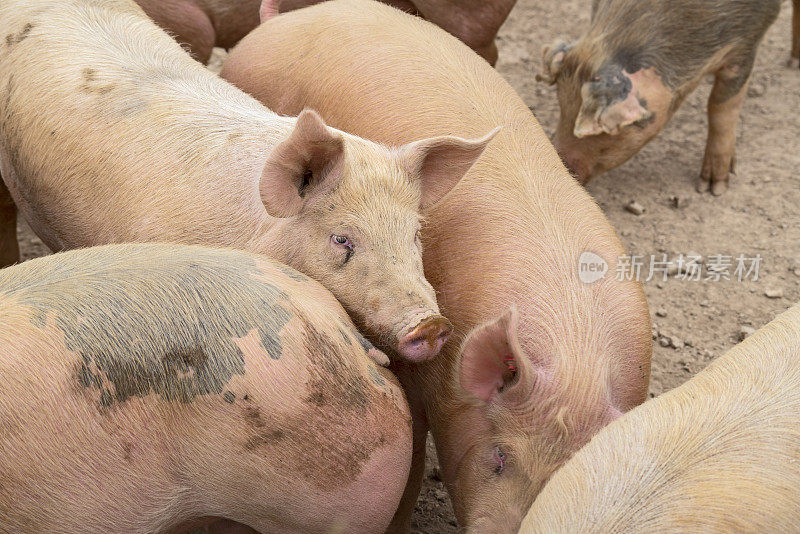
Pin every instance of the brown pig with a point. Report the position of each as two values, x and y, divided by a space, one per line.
721 453
623 80
147 387
131 140
201 25
475 22
550 359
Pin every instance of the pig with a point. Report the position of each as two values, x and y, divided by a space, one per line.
475 22
200 25
540 360
131 141
148 387
621 82
718 454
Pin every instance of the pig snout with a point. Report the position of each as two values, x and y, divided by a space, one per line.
575 164
424 341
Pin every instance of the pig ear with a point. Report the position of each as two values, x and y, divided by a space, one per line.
440 162
596 117
269 9
552 59
301 166
492 362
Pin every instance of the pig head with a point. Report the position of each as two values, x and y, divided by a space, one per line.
610 108
350 219
528 390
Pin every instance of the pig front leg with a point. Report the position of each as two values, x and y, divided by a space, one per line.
9 247
794 61
401 522
724 105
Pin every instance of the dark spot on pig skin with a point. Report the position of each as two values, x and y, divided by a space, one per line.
126 451
376 377
317 398
139 328
229 397
610 85
341 422
291 273
12 39
89 84
645 122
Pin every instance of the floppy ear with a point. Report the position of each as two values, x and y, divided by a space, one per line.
552 59
609 107
492 364
440 162
302 165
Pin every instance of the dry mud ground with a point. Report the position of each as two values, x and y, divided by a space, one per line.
758 215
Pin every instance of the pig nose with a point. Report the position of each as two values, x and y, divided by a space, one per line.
426 340
575 166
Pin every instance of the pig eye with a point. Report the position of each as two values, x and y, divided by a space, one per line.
499 458
342 241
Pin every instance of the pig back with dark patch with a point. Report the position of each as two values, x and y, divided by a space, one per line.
158 361
146 319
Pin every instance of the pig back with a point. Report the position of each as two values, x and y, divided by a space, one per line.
717 454
124 139
134 366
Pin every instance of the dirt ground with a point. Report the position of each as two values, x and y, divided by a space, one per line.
693 321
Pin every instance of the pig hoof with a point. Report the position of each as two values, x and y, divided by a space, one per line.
717 188
702 185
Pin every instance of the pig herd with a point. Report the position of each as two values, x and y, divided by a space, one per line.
359 189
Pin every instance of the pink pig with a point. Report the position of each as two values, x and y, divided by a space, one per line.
541 360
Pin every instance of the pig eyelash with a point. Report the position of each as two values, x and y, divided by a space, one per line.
500 459
343 241
511 364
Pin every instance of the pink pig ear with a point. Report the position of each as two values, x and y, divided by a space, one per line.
440 162
302 165
492 361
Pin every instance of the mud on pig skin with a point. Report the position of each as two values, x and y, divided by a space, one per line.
501 249
474 22
147 386
621 82
718 454
131 140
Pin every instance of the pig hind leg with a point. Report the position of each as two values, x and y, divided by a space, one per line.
9 247
724 106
